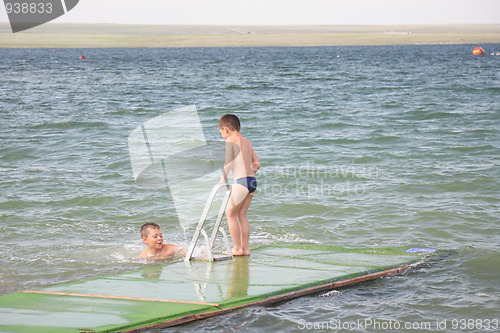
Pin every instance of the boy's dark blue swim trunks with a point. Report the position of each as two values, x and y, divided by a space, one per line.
249 182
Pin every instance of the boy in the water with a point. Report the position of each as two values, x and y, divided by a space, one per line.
151 236
242 162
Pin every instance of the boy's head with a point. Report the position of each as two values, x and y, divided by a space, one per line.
230 121
147 227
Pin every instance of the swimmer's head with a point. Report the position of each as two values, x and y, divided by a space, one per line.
230 121
147 227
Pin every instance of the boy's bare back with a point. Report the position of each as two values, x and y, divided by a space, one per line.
240 153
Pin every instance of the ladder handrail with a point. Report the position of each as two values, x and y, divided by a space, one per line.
218 221
220 215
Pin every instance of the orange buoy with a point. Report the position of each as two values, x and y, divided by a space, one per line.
478 51
82 57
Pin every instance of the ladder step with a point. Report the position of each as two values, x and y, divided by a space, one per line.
216 257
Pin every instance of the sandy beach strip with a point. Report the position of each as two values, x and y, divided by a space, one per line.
56 35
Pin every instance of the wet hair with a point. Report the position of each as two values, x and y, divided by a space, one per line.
230 121
145 229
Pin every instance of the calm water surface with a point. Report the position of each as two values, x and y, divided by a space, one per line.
375 146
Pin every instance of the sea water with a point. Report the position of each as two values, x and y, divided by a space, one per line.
372 146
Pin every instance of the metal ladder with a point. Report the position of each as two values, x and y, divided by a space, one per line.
210 243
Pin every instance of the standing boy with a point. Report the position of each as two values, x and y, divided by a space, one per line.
242 162
151 236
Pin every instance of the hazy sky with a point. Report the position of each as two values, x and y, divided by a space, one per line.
276 12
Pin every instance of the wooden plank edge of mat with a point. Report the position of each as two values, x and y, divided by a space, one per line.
276 299
119 297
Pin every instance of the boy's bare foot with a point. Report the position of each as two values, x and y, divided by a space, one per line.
237 252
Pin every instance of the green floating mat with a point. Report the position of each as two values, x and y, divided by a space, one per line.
177 293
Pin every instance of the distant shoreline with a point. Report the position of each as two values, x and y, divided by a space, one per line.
57 35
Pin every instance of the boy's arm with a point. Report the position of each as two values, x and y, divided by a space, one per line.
255 161
228 164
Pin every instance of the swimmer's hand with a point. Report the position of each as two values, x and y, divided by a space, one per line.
222 182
